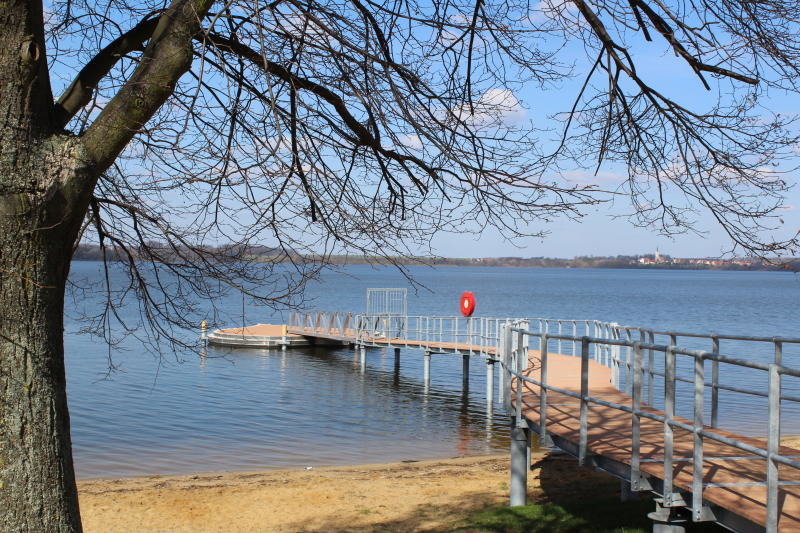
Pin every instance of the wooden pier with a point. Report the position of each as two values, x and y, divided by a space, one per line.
733 483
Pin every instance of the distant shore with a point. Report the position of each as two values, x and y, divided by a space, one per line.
91 252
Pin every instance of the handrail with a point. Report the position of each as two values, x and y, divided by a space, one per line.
514 359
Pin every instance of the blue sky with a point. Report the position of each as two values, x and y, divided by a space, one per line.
605 230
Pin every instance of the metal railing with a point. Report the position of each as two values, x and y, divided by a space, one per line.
608 348
478 335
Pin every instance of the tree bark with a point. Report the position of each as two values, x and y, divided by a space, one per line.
38 228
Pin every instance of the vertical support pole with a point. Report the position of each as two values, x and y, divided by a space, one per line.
363 358
465 372
714 383
669 414
204 333
426 369
628 362
574 334
614 363
636 405
397 360
651 361
584 417
470 340
502 355
544 438
697 471
520 447
489 384
773 443
560 332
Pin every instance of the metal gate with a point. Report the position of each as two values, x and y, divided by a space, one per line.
387 310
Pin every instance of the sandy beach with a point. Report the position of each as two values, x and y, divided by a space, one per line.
407 496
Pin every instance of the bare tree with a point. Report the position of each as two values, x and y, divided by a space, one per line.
338 125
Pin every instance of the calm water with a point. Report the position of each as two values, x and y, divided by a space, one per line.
252 409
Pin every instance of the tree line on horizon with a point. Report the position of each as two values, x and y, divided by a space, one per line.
267 254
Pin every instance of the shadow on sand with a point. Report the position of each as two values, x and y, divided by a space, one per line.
564 498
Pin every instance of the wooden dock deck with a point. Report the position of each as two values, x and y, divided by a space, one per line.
732 479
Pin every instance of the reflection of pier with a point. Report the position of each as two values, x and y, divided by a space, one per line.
606 405
387 381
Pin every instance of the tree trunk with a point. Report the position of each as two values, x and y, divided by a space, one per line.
38 227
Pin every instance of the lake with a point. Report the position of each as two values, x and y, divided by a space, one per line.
257 409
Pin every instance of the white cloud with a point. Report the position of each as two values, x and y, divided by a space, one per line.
554 10
494 107
602 178
410 141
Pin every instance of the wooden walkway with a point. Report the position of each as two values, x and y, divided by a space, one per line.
734 481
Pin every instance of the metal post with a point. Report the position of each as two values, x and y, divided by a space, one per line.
465 372
714 383
501 355
636 405
204 333
697 471
559 335
669 414
520 446
426 369
651 360
397 359
584 421
544 438
628 362
489 383
773 444
363 358
574 334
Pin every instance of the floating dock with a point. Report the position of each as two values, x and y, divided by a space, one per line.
257 336
264 336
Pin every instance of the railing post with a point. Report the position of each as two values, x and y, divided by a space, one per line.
773 445
669 414
651 361
544 438
636 405
574 334
628 361
614 362
520 447
697 473
559 336
501 355
714 383
584 415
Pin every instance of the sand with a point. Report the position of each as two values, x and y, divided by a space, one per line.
406 496
413 496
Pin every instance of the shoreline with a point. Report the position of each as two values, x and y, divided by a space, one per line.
426 495
417 494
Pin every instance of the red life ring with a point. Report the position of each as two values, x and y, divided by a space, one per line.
467 304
